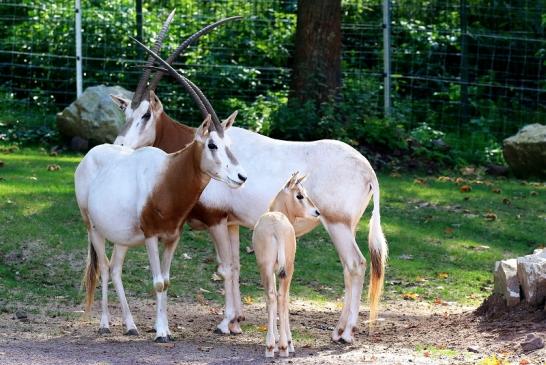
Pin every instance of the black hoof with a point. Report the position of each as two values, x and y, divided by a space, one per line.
104 331
235 333
218 331
161 340
131 332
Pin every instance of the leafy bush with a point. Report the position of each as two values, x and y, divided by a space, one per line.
22 134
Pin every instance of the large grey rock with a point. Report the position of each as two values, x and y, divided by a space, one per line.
525 152
93 116
532 277
506 281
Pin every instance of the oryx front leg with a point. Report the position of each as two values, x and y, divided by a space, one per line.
159 286
116 267
354 267
220 236
168 253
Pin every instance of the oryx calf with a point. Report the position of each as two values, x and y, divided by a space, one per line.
274 241
142 197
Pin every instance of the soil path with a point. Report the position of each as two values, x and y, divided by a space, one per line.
408 332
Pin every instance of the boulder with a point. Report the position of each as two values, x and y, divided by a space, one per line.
93 116
525 152
506 281
532 277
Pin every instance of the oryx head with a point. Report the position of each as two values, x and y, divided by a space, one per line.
295 198
144 110
217 160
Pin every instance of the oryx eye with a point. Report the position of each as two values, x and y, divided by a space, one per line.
299 196
146 116
212 146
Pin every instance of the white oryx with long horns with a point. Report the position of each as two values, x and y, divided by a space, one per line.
340 181
140 197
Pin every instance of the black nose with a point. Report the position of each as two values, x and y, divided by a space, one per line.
317 212
243 178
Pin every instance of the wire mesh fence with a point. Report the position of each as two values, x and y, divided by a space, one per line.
456 65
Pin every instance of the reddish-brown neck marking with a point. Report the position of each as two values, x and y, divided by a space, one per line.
171 136
175 194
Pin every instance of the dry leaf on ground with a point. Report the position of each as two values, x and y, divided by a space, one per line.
465 189
490 216
410 296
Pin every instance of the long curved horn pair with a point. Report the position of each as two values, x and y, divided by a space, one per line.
140 92
182 80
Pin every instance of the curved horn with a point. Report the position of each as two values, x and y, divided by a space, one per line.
141 88
181 79
204 100
187 43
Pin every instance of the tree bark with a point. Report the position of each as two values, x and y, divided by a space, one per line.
317 59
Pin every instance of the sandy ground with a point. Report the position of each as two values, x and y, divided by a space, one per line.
408 333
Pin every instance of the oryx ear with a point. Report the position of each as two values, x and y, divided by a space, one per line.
301 179
227 123
292 181
121 102
155 104
204 129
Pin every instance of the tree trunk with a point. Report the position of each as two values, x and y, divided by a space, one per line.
317 60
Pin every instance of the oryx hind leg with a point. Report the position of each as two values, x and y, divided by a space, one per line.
99 242
354 267
116 268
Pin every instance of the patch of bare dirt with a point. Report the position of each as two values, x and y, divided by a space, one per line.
408 332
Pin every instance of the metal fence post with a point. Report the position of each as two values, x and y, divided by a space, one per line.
387 56
464 65
79 80
139 32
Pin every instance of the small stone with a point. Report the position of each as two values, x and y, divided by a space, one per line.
531 271
506 281
473 349
532 343
21 315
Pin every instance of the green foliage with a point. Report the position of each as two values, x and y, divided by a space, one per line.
257 115
21 134
245 65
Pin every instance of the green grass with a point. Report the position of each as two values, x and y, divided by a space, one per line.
435 234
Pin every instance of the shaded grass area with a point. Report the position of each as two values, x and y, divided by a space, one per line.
443 242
